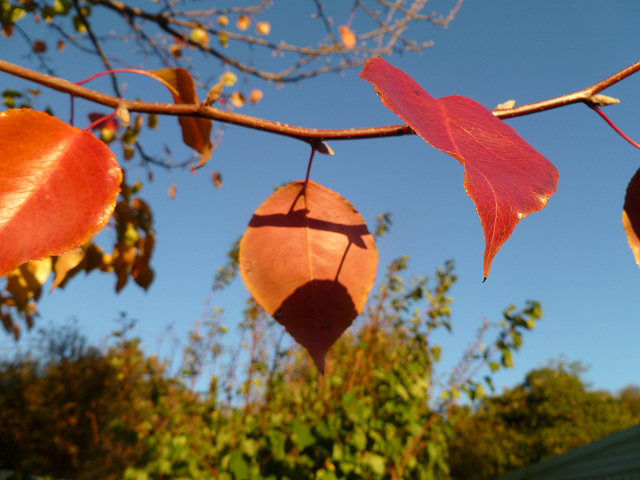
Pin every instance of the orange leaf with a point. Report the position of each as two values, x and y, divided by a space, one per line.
263 28
347 36
309 260
631 215
217 179
255 96
58 187
243 22
196 132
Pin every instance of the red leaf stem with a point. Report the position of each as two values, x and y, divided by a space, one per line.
615 127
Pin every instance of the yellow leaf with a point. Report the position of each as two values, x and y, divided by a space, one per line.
64 264
199 36
237 99
228 79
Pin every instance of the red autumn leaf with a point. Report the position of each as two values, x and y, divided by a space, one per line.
196 132
108 122
58 187
631 215
505 176
309 260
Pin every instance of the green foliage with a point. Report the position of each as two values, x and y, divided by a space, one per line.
552 411
377 413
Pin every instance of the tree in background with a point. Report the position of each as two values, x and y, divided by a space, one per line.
384 414
552 411
307 256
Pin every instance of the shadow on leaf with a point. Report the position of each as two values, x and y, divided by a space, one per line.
316 314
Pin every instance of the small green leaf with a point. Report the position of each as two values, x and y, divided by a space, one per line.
301 435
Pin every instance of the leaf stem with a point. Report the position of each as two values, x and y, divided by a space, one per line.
614 126
306 180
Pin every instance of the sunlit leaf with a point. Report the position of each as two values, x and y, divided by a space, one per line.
196 132
506 178
255 96
347 36
237 99
309 260
263 28
58 187
243 22
199 36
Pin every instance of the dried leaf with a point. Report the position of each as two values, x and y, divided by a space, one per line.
39 46
196 132
172 191
217 179
504 176
309 260
58 187
64 264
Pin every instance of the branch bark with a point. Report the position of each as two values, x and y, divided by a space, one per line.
587 95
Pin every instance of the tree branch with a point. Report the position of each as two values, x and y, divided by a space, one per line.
588 95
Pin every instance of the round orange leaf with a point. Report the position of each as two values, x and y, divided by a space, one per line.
308 259
58 187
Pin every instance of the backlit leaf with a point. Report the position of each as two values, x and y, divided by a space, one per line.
347 36
631 216
196 132
243 22
505 176
309 260
58 187
263 28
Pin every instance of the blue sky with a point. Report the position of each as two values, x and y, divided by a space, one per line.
573 256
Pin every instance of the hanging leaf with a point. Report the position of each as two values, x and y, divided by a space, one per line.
309 260
505 176
196 132
58 187
631 215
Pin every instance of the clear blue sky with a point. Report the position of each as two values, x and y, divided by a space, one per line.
573 256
